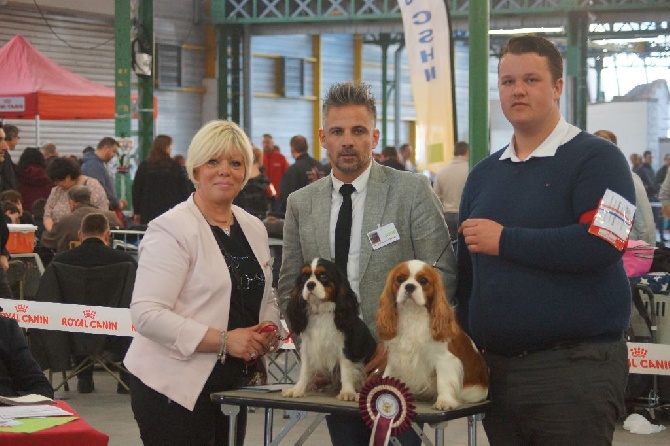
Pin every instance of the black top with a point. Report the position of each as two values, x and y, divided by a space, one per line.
19 372
248 281
253 198
158 187
248 284
304 171
93 252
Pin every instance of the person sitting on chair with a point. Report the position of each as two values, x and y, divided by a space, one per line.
94 235
66 230
19 372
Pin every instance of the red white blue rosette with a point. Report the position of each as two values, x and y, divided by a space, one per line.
387 407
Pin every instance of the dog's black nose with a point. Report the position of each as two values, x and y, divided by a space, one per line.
311 285
410 287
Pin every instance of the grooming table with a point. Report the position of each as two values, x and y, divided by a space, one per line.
324 404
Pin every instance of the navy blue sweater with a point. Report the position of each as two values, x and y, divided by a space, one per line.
553 281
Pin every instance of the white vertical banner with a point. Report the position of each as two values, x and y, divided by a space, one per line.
428 43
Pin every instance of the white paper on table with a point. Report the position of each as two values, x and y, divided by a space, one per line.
33 411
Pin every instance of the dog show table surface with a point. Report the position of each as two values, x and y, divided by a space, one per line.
324 404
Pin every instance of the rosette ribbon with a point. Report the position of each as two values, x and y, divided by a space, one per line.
387 407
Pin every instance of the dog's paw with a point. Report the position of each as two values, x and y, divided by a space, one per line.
445 403
293 392
347 396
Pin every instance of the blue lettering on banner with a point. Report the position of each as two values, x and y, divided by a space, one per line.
425 37
430 74
426 17
425 55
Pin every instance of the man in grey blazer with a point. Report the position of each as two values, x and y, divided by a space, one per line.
396 217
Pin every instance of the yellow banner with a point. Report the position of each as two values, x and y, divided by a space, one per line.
428 43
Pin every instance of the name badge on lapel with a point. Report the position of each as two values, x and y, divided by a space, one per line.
383 236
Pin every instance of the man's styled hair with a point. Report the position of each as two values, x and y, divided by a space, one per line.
536 44
350 93
79 194
11 132
107 141
461 148
299 144
94 225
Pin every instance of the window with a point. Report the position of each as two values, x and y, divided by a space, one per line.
292 77
168 66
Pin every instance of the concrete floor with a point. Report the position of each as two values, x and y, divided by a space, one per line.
110 413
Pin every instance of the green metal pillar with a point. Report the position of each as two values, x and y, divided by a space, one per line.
578 29
222 80
122 62
478 113
235 69
145 84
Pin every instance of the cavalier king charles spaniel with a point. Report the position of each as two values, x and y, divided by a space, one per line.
323 309
427 350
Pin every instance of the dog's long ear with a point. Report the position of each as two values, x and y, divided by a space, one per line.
346 302
296 309
443 324
387 315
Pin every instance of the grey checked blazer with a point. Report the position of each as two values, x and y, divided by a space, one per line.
403 198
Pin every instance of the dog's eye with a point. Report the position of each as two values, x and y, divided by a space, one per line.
422 281
323 278
304 277
400 279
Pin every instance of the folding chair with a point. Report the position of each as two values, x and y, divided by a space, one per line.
105 286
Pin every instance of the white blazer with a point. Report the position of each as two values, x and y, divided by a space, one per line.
183 287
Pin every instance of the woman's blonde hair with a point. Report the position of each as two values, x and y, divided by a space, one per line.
214 139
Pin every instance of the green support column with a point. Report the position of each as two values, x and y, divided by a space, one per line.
235 85
122 62
478 130
578 29
145 84
222 45
122 104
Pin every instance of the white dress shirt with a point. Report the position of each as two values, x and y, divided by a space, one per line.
357 207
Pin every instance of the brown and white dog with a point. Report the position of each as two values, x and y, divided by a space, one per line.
323 309
427 349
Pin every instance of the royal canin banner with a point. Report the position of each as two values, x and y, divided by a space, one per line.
69 317
649 359
428 42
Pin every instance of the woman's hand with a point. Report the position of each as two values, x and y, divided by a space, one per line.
249 343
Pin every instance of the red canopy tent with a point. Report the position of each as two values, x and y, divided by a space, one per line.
32 86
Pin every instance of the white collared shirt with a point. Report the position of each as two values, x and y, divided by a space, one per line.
357 206
562 133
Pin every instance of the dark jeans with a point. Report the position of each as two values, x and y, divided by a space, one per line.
352 431
572 396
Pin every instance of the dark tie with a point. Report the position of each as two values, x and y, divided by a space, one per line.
343 228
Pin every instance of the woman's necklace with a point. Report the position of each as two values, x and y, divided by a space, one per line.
224 224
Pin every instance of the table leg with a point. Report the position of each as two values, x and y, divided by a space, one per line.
472 429
269 413
232 411
295 416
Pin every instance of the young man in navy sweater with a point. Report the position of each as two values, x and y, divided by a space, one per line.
543 297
